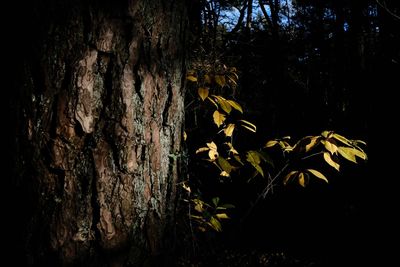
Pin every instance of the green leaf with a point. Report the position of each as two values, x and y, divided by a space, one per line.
203 93
225 165
215 224
235 105
248 125
318 174
253 158
222 216
289 176
329 160
228 206
215 201
220 80
219 118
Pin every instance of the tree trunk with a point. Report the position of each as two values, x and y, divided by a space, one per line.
99 115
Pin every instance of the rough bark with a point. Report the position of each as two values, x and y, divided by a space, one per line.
100 113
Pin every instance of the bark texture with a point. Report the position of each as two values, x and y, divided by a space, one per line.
100 113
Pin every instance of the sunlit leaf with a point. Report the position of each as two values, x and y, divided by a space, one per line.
225 165
271 143
184 135
289 176
253 157
248 125
213 102
329 160
285 146
219 118
342 139
213 154
318 174
330 146
203 92
302 181
235 105
220 80
231 148
224 174
347 153
360 142
313 142
326 134
224 104
222 216
229 129
199 207
186 187
191 78
212 145
202 149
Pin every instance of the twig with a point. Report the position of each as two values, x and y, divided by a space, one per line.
387 9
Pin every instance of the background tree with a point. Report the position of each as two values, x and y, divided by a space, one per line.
97 115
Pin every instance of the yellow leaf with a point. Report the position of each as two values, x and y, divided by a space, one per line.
212 146
203 93
302 181
313 142
215 224
235 105
318 174
186 187
229 129
191 78
202 149
224 104
213 154
289 176
222 216
327 134
212 101
347 153
342 139
330 146
220 80
271 143
253 158
249 125
329 160
184 135
219 118
232 149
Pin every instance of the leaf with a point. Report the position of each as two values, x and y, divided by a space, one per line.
253 158
330 146
184 136
235 105
223 103
231 148
220 80
347 153
229 129
249 125
222 216
318 174
213 154
237 158
215 201
326 134
219 118
225 165
215 224
212 146
191 78
224 174
271 143
228 206
329 160
213 102
186 187
289 176
313 142
202 149
203 92
342 139
302 181
207 79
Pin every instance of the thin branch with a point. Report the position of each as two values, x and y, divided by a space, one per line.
383 6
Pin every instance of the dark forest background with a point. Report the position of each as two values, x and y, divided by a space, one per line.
305 66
